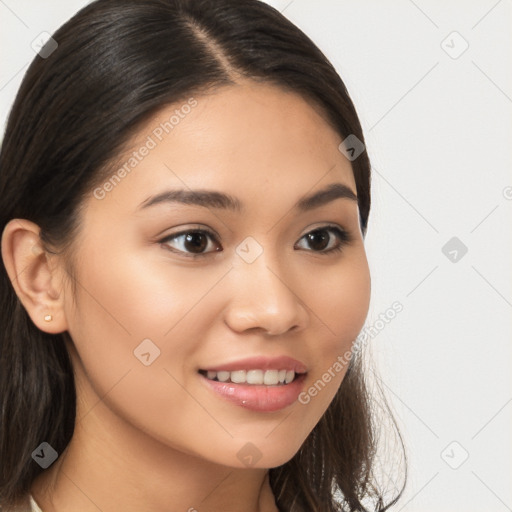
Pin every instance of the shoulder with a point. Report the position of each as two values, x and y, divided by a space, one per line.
27 504
34 507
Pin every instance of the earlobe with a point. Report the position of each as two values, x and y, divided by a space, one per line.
36 282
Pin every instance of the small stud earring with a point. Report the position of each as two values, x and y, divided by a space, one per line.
48 318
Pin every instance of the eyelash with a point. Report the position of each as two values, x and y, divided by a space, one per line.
343 236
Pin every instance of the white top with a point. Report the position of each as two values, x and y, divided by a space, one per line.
33 505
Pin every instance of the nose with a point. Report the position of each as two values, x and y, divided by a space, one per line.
262 298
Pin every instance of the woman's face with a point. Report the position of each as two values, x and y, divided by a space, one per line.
170 287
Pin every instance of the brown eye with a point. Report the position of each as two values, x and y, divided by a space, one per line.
320 240
191 243
195 242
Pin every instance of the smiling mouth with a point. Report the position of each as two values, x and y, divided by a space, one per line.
253 377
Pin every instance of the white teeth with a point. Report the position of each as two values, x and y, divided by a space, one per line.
257 377
289 377
223 376
238 377
271 377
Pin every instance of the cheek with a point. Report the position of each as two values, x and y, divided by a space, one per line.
340 304
339 301
123 304
129 308
129 298
350 301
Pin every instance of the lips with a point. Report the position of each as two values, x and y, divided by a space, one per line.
260 384
261 363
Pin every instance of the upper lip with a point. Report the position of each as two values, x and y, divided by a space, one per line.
261 363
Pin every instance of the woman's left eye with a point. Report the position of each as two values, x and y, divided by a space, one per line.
194 243
321 239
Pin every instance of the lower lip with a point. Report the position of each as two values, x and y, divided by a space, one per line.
258 398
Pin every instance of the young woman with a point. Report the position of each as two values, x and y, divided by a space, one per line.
184 199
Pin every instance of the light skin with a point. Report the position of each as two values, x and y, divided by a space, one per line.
154 437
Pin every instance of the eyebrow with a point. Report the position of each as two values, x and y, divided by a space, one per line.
214 199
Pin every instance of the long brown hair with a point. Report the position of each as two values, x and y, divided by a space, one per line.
117 62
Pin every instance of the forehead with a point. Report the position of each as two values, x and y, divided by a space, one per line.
253 140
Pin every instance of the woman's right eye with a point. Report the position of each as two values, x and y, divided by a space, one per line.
196 241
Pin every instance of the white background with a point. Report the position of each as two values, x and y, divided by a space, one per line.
438 134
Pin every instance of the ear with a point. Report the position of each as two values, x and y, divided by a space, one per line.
35 275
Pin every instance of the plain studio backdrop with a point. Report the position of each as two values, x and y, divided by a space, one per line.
432 83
